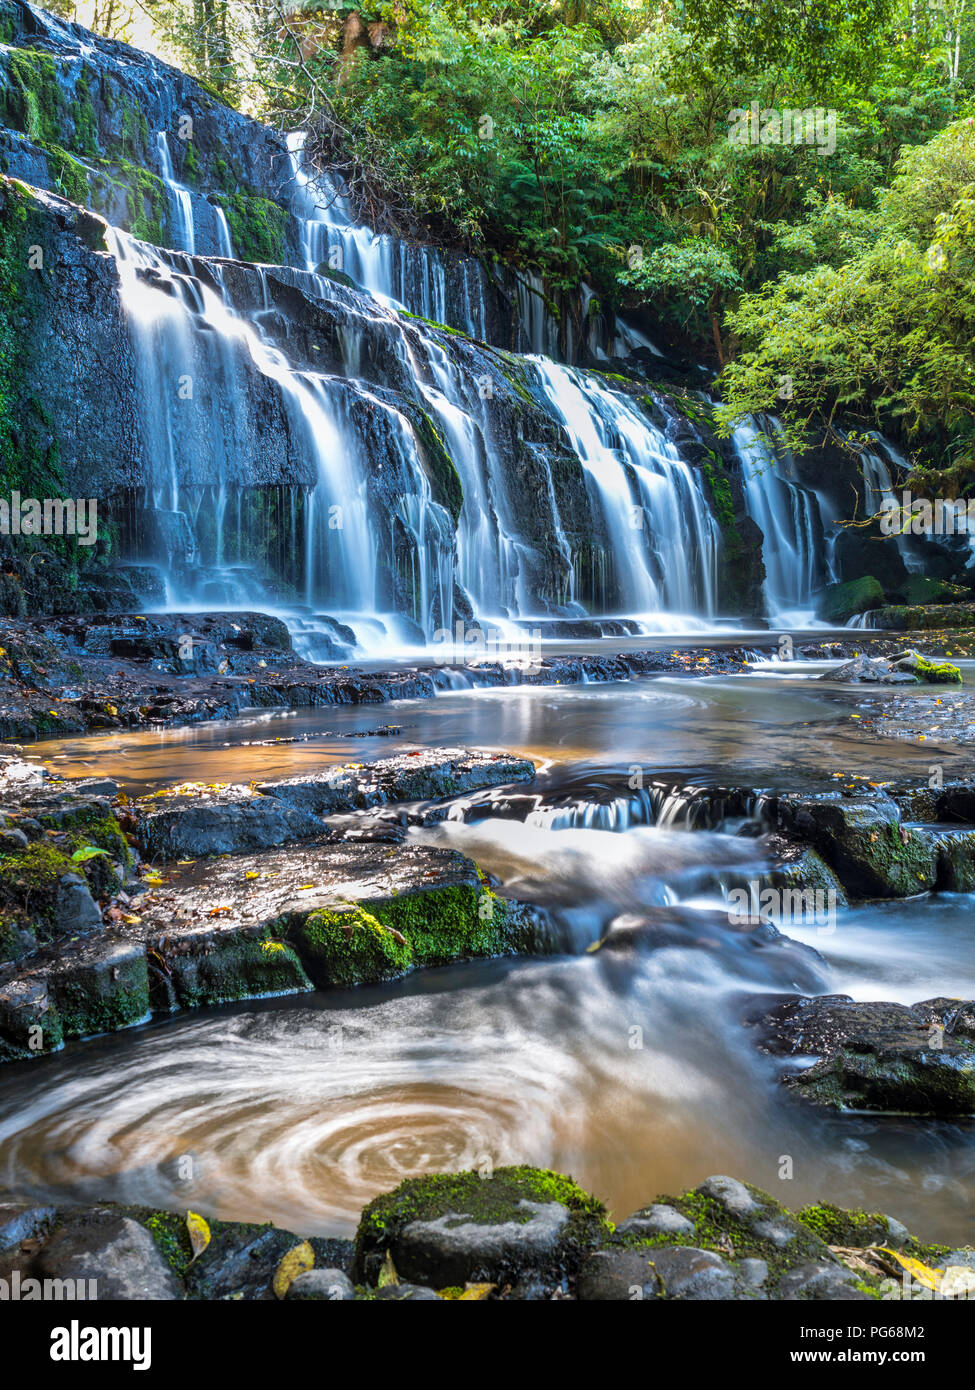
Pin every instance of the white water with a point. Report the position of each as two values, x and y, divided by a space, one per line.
664 539
180 198
790 519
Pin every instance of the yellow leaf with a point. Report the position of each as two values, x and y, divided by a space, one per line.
930 1278
252 873
388 1275
199 1233
475 1293
152 878
271 946
298 1260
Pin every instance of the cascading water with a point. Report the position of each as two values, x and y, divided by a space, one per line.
664 540
180 198
391 572
399 275
791 521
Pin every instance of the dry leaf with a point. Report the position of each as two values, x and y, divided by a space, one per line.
199 1233
298 1260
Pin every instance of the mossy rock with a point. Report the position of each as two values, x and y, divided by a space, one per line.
514 1225
101 989
218 966
30 881
841 602
386 938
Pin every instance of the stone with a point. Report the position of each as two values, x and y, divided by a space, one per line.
864 841
823 1282
517 1225
731 1194
322 1284
880 1056
75 910
115 1251
21 1221
656 1220
617 1276
101 988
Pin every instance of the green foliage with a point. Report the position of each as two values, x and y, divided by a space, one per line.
886 333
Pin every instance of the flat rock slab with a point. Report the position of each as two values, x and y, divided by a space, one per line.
251 926
917 1059
201 820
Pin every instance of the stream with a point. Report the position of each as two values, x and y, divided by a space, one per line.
628 1067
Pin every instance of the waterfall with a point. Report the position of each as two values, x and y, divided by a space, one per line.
791 521
663 538
181 199
196 403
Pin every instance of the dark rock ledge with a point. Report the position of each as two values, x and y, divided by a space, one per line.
516 1234
893 1058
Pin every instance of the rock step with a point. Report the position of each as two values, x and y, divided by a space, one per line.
199 820
242 927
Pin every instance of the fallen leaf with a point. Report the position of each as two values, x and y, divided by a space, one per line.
199 1233
297 1261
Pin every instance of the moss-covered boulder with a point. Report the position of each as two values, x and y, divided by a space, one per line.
101 987
841 602
517 1225
216 964
864 841
29 1022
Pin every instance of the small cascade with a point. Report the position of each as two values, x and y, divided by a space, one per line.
791 521
398 274
662 539
225 246
181 199
879 495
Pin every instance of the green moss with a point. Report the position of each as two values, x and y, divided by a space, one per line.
32 100
257 227
844 601
937 672
348 946
445 482
231 966
70 177
172 1240
839 1226
29 880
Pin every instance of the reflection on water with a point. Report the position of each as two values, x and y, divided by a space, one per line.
771 728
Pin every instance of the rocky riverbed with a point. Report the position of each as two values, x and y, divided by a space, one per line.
513 1234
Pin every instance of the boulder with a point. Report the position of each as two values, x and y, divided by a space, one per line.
518 1224
879 1056
841 602
114 1251
863 840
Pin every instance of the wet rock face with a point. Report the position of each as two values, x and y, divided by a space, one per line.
879 1056
864 840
